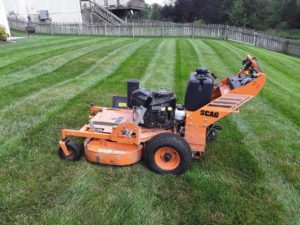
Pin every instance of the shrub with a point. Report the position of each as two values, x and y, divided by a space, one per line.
199 22
3 34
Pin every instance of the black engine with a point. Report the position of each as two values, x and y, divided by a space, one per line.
157 109
152 108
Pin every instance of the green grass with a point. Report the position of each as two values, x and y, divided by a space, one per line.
250 175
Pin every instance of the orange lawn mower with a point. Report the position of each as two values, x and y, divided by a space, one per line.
151 125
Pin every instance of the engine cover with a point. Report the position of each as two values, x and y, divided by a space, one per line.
160 107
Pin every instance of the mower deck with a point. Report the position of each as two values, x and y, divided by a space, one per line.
111 137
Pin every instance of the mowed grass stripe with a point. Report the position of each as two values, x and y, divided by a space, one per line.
279 160
52 51
136 64
186 62
159 73
280 118
11 57
152 64
27 43
282 63
234 61
129 190
243 168
51 64
32 110
280 82
214 198
243 178
264 152
271 92
214 176
219 55
275 75
208 58
68 71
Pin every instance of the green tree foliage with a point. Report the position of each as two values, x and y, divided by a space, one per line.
258 14
290 13
248 13
167 12
155 12
237 13
147 12
275 10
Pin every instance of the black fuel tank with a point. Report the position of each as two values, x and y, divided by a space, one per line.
198 91
132 85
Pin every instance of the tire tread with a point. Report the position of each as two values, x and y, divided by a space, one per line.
168 140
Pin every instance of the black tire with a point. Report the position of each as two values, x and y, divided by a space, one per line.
74 148
176 143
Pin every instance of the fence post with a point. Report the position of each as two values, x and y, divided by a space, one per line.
78 29
285 46
255 38
162 30
51 31
133 29
105 30
193 30
225 32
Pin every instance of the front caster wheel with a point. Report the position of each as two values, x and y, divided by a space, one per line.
74 149
168 153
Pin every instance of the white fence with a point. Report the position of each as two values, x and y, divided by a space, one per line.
224 32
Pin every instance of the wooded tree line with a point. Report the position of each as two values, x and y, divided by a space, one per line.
258 14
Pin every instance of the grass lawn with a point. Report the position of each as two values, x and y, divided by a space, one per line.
250 175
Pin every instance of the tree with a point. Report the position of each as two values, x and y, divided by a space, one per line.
182 11
155 14
274 13
167 12
248 13
151 12
146 14
298 17
237 14
258 14
290 13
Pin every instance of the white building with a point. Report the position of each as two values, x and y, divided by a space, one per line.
73 11
3 18
68 11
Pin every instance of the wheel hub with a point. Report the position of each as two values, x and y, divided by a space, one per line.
167 157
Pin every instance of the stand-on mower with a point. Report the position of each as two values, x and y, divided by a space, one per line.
150 125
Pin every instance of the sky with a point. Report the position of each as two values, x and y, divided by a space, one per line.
155 1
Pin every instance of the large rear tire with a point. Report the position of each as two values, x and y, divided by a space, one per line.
168 153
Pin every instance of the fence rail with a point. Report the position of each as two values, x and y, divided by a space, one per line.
144 29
